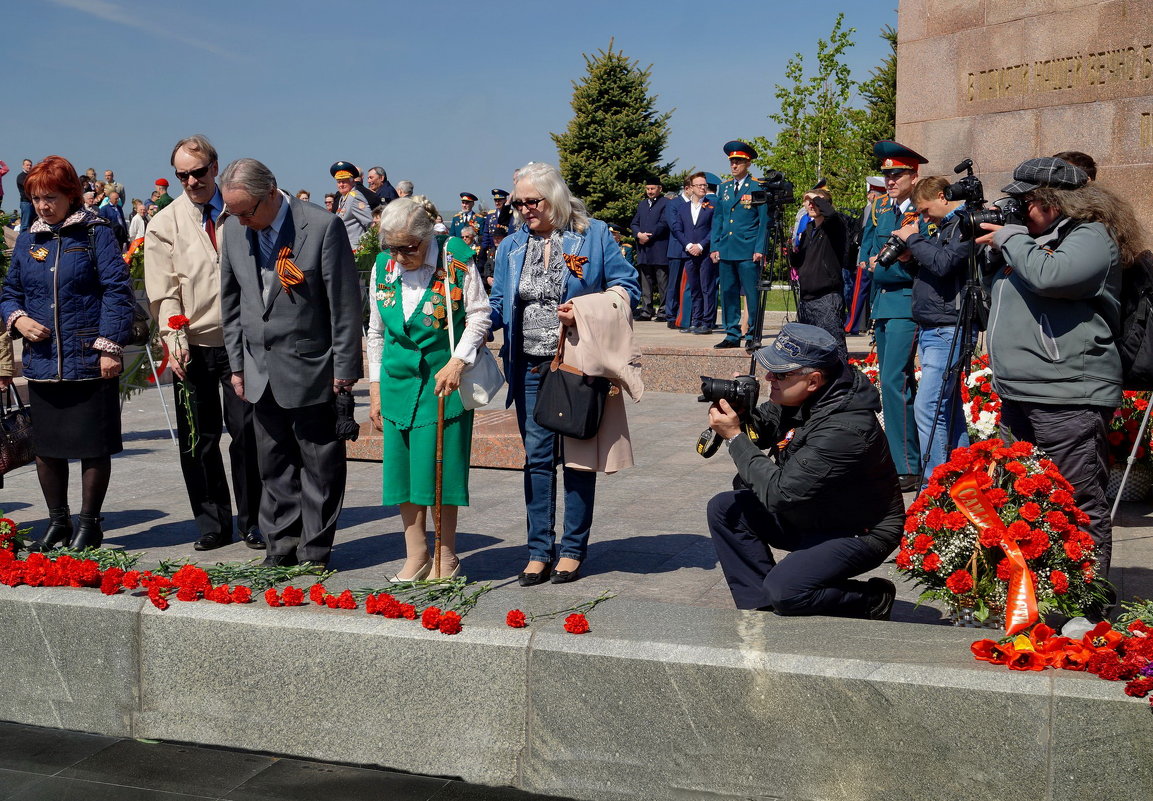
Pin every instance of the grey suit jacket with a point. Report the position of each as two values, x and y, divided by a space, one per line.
297 342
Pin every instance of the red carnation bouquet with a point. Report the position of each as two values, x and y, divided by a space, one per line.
1027 555
870 367
982 405
1124 426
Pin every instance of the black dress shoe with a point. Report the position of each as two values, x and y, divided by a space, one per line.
254 541
210 542
59 531
727 343
908 482
287 560
565 576
644 316
660 318
883 592
533 579
672 324
701 330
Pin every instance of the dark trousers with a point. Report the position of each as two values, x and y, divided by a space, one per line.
214 405
654 279
827 312
303 467
1074 437
701 275
671 299
815 579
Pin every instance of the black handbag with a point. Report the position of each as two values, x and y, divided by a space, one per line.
568 401
16 449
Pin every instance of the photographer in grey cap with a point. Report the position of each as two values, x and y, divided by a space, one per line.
826 489
1054 284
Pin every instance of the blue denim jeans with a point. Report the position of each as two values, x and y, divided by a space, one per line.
542 453
27 215
934 346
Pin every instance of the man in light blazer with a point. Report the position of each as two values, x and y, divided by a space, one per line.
182 278
291 307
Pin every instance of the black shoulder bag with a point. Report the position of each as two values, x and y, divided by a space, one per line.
568 401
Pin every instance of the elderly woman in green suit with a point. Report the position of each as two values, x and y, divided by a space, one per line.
412 364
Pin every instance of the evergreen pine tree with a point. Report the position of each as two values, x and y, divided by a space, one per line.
616 138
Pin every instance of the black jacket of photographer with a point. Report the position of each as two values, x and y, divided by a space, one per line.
940 269
820 255
833 472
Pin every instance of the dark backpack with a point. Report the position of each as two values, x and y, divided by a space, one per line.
1135 339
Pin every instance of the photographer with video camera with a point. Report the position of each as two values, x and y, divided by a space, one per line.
1055 285
826 490
942 259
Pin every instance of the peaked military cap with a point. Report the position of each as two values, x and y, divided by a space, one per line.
468 196
895 156
343 170
499 194
737 149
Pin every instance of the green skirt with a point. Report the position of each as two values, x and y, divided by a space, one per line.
409 462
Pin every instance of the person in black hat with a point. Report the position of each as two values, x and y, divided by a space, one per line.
826 490
1055 285
651 230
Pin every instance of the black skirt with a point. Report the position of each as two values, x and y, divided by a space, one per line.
75 419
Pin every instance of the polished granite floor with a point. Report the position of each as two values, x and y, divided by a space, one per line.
53 765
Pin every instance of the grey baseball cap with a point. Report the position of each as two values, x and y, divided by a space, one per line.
799 345
1047 171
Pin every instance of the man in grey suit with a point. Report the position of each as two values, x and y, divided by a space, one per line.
290 304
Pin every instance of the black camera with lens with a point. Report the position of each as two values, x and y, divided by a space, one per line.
891 251
741 392
1006 211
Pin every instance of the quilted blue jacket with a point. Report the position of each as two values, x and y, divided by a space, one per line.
55 281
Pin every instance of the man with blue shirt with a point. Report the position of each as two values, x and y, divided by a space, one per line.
892 307
738 244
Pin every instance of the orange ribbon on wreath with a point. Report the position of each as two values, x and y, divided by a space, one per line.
135 246
290 274
1021 603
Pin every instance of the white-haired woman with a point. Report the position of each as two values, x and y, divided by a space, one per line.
559 253
412 363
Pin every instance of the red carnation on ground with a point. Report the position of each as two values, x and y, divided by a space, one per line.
515 619
346 600
576 623
408 611
430 618
241 594
271 597
959 583
316 594
292 596
449 623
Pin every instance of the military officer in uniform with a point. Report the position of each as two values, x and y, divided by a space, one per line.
892 307
738 240
492 229
466 216
353 208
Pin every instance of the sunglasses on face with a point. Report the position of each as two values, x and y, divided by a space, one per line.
198 173
404 250
531 202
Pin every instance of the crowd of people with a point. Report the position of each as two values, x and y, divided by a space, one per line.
256 295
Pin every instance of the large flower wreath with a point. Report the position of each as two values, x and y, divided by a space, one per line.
996 532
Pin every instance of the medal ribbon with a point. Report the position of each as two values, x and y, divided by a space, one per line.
290 275
1021 603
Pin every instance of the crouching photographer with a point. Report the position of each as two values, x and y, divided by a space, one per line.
826 491
1055 285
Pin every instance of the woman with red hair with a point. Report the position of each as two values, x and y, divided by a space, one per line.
68 296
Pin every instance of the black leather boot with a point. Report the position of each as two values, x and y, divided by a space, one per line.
88 533
59 531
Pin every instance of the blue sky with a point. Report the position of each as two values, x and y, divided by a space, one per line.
452 96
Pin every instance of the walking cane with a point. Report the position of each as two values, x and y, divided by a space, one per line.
439 485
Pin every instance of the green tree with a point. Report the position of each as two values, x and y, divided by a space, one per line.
880 95
820 132
616 137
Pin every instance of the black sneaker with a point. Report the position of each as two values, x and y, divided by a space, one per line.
883 592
